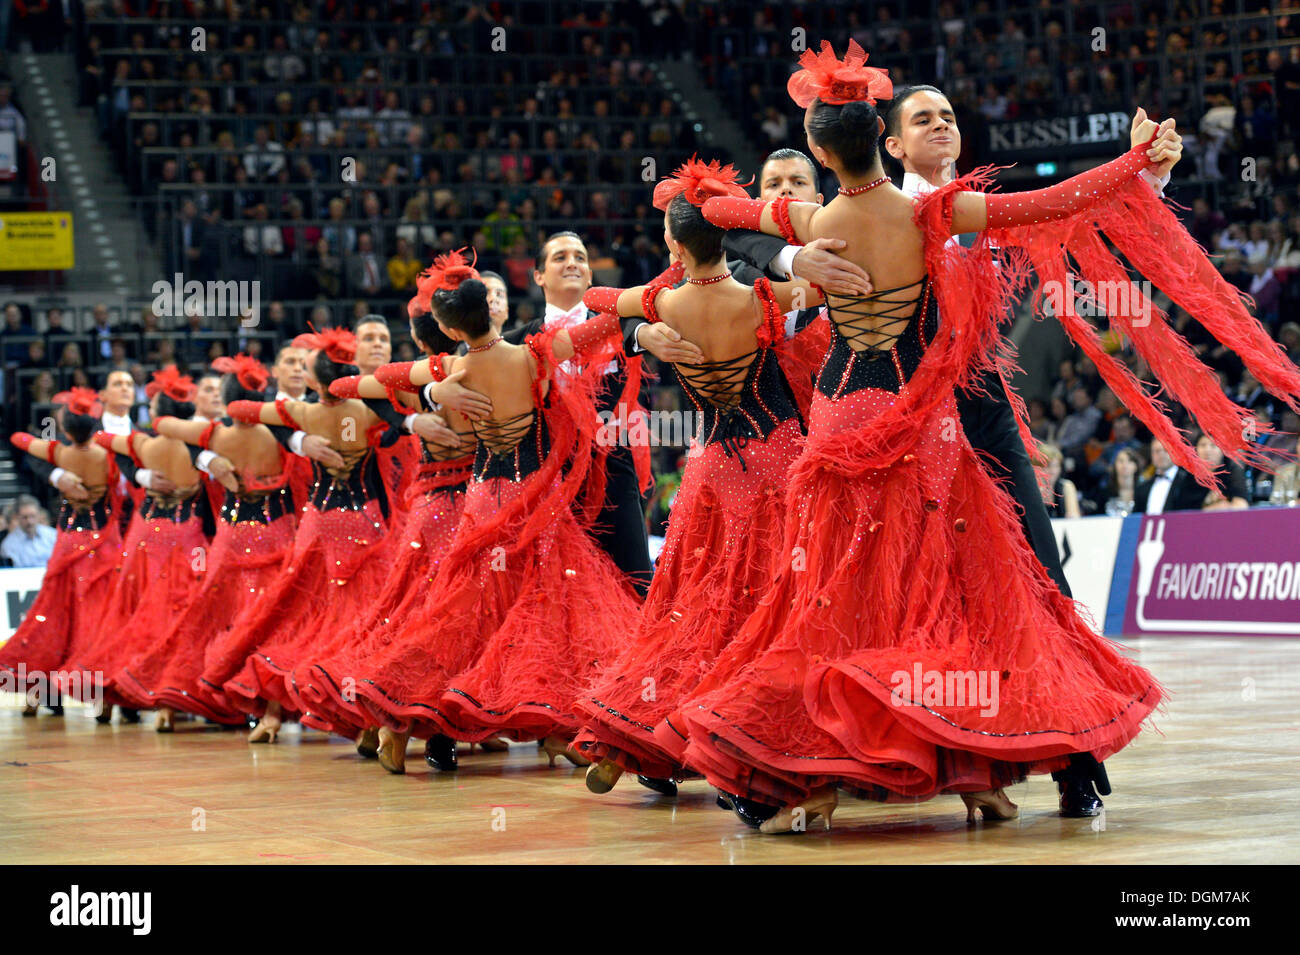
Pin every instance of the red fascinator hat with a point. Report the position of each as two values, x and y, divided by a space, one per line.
80 401
250 372
338 343
172 383
823 76
446 273
699 181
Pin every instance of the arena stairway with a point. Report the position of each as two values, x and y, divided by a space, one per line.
111 248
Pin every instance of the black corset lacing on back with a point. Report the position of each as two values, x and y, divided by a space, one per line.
890 342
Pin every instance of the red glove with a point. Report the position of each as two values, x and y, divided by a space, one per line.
397 375
730 212
346 387
595 330
21 440
602 298
670 276
249 412
1006 210
104 440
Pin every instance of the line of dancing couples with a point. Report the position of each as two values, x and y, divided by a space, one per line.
856 553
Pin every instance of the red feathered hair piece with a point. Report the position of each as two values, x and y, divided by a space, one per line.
251 373
825 77
698 181
447 272
80 401
338 343
172 383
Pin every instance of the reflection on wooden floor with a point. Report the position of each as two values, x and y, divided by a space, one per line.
1218 783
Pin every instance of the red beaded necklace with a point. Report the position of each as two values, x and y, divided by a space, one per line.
865 187
487 346
711 280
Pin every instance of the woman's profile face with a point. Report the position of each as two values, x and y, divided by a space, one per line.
1053 469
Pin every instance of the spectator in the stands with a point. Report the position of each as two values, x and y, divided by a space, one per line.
11 117
1233 493
365 273
1170 488
403 268
1059 493
263 157
43 388
102 330
342 238
1121 485
70 356
1080 424
260 237
31 542
36 355
15 324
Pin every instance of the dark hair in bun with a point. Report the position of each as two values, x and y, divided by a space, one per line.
327 369
849 131
687 225
465 308
169 407
233 390
80 427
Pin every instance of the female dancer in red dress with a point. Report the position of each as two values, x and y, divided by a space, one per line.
524 608
339 558
724 532
79 574
165 546
435 499
911 644
255 533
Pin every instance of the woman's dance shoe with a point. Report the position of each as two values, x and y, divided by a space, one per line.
558 746
602 776
993 804
392 750
368 743
266 730
164 720
796 818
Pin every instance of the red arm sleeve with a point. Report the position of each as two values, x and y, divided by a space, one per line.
104 440
595 330
249 412
397 375
346 387
1006 210
602 298
729 212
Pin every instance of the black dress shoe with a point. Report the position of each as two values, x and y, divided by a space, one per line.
1078 799
56 709
104 717
752 814
440 751
1075 784
665 787
129 715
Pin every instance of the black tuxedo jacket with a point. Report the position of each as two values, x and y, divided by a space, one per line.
1184 495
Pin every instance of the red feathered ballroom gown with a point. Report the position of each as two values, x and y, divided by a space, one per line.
77 585
525 608
338 564
435 500
161 566
912 645
724 538
255 535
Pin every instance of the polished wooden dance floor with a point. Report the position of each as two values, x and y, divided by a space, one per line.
1219 783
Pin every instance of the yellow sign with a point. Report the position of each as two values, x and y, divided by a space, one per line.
35 240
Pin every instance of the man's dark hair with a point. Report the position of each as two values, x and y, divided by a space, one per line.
566 234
